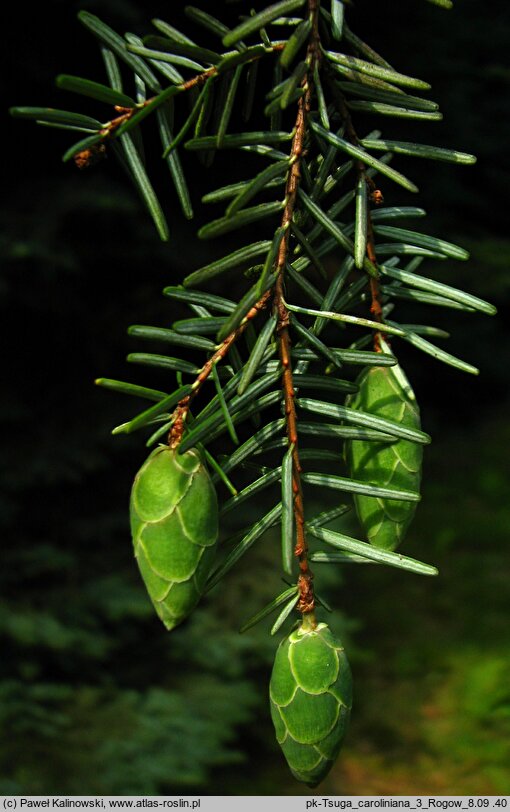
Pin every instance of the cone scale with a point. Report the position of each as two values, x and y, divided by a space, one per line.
385 392
310 698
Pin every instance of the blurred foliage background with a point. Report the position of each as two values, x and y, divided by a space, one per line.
94 696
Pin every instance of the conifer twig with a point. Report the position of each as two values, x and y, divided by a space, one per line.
306 603
126 113
181 410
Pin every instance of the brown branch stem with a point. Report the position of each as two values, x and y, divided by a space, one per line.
108 131
180 412
306 603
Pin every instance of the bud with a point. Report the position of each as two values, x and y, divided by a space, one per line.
385 392
174 524
311 697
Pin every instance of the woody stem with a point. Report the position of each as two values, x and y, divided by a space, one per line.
306 603
194 81
181 410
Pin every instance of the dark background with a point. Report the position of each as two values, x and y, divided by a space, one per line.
94 696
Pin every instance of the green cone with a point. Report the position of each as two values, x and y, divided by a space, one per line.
385 392
174 524
311 697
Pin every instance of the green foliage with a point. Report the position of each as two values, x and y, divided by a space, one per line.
308 168
118 736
